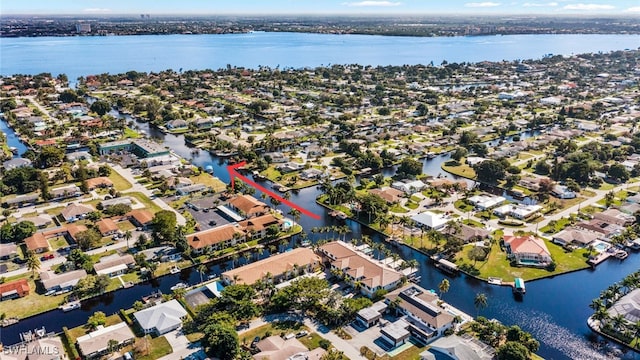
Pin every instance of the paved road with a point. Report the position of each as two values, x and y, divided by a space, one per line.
137 187
340 344
181 346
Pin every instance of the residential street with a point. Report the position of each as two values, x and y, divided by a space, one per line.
342 345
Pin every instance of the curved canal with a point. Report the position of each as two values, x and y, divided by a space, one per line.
554 309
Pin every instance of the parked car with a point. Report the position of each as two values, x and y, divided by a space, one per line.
255 341
19 261
213 223
302 333
47 257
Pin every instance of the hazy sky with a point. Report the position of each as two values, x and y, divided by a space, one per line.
354 7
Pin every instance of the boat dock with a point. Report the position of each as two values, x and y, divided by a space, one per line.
518 286
597 259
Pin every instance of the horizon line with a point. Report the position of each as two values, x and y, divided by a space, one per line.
345 14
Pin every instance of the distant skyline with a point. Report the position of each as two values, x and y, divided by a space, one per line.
320 7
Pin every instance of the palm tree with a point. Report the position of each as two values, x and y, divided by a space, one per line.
236 278
295 213
596 304
395 304
413 264
247 256
234 259
33 263
443 287
202 269
480 302
127 236
179 293
618 322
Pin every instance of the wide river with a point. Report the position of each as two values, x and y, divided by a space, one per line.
554 310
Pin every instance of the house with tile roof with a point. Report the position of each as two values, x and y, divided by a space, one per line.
527 250
277 267
99 182
258 225
107 227
140 217
75 212
220 237
368 274
248 206
14 289
276 348
574 236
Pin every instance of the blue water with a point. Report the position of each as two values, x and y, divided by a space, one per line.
82 55
554 310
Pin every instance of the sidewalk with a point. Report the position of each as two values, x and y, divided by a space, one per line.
137 187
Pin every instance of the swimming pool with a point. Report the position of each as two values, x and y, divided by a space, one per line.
600 246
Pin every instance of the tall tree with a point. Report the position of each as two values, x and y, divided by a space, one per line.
443 287
480 302
33 263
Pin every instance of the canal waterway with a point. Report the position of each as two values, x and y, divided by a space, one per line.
554 310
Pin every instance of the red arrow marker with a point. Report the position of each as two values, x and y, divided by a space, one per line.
233 173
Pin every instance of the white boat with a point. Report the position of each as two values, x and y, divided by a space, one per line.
179 285
70 306
174 270
494 281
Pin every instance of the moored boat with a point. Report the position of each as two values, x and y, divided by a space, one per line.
179 285
73 305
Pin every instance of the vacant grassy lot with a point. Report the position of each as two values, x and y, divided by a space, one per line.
216 184
119 183
150 205
462 169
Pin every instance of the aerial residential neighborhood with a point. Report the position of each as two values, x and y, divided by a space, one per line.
341 211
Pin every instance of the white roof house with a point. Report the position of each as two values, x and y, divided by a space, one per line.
162 318
431 220
518 211
409 187
483 202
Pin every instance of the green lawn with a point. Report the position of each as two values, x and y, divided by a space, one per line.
119 182
462 170
31 304
497 264
58 242
81 330
462 205
311 341
158 347
210 181
411 353
130 133
412 205
150 205
557 226
398 209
